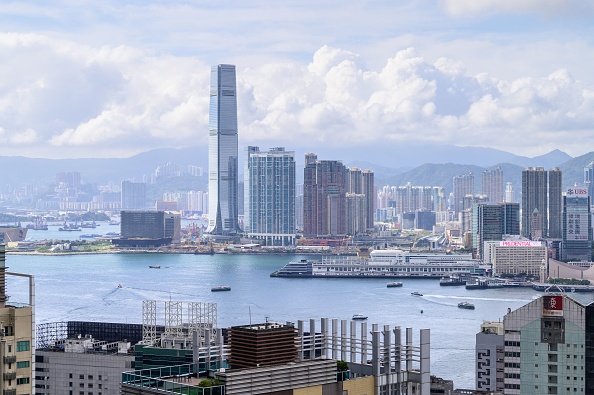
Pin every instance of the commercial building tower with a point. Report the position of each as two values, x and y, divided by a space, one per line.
269 196
577 226
548 347
589 179
541 203
222 152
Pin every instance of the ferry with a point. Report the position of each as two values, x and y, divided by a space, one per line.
466 305
394 284
220 288
484 283
453 280
154 266
386 264
359 317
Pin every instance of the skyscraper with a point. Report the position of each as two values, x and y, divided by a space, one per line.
589 179
577 226
492 185
222 152
463 185
555 201
541 202
270 196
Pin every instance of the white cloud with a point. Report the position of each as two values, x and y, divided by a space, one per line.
542 7
59 98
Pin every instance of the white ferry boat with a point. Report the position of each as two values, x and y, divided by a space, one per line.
384 263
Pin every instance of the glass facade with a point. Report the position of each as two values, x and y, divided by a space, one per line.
222 152
269 196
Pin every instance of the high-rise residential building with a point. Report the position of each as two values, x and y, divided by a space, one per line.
589 179
541 203
133 195
326 209
69 179
16 338
463 185
492 184
356 212
577 226
222 152
269 196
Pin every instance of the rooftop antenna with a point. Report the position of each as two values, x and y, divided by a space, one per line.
250 312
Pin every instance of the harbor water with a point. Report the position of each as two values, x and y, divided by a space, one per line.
87 288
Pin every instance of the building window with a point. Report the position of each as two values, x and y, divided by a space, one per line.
23 346
23 364
23 380
81 376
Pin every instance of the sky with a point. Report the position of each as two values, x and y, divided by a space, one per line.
114 78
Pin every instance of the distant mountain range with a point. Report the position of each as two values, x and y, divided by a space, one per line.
428 165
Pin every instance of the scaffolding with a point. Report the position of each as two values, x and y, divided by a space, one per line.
199 317
50 334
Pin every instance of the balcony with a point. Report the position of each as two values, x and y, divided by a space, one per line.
9 376
9 392
10 359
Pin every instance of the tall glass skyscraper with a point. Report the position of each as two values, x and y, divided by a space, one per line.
222 152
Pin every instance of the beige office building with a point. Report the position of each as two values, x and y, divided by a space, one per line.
516 257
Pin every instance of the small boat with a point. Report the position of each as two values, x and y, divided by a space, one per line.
359 317
394 284
416 293
466 305
220 288
120 286
155 266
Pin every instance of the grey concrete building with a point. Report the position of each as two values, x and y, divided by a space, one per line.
489 357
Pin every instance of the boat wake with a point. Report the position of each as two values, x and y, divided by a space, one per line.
475 298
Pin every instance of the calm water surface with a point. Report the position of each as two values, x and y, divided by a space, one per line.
85 287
